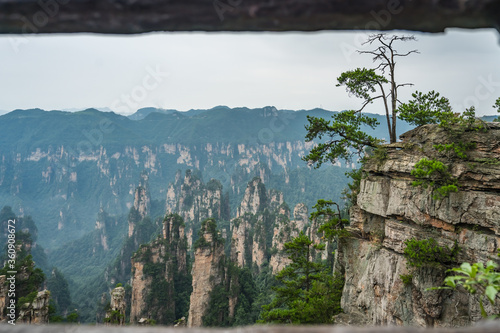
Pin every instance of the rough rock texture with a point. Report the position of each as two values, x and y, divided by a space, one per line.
154 264
208 272
254 199
37 312
240 240
195 201
142 202
30 16
301 216
390 210
141 283
284 231
117 307
265 215
490 327
4 290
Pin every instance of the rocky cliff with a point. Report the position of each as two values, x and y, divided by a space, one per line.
284 231
208 270
390 211
160 277
142 203
196 201
36 312
115 315
262 226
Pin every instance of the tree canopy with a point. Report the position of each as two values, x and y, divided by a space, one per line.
346 137
307 292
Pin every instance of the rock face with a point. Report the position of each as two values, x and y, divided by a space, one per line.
36 312
142 203
4 290
159 271
262 226
390 210
116 312
194 201
254 199
284 231
208 271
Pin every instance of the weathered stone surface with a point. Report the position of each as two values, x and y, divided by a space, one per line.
195 201
240 239
207 272
142 202
30 16
254 199
265 215
301 216
170 253
4 290
390 211
37 312
141 283
489 327
116 311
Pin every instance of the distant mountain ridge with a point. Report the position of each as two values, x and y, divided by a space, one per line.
63 167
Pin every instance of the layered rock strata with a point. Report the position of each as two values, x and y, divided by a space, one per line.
208 271
157 268
390 211
36 312
196 201
263 226
116 312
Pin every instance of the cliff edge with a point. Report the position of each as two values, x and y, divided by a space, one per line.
390 210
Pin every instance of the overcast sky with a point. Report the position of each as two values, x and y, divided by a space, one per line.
199 70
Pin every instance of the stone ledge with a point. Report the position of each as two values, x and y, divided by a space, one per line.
485 327
139 16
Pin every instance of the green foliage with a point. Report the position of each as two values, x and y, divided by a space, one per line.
488 161
345 137
458 148
217 314
477 278
29 279
497 106
214 185
307 292
53 316
407 279
247 296
59 291
333 223
208 226
118 285
28 299
239 286
351 192
430 108
73 317
168 296
115 317
425 109
433 173
361 82
427 252
378 154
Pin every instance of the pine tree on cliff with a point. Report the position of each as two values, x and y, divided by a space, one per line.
307 292
344 133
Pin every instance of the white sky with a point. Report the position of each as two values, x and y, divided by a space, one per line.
286 70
